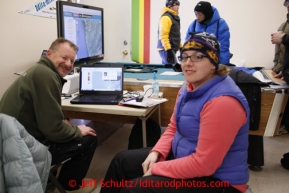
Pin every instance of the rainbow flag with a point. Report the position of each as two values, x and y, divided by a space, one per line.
140 15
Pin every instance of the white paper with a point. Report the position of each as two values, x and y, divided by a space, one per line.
41 8
278 86
170 73
147 102
260 76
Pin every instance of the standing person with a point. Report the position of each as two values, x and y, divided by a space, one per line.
282 38
209 20
205 143
34 99
169 35
280 48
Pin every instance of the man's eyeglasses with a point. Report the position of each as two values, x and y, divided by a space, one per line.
176 4
194 57
286 3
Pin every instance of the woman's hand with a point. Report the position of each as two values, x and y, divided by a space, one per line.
147 164
149 172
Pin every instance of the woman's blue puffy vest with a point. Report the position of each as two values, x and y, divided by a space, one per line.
234 168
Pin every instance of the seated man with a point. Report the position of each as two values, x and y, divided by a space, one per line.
34 99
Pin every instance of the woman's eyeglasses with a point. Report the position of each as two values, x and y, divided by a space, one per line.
194 57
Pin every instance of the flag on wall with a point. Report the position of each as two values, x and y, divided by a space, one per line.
140 31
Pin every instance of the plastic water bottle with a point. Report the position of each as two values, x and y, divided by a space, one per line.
155 85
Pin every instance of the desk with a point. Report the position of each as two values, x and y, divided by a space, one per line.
110 113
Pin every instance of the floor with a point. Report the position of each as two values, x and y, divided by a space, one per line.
273 177
117 142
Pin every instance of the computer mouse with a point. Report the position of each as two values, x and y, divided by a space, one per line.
139 98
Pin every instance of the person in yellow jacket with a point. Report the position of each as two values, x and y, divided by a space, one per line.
169 35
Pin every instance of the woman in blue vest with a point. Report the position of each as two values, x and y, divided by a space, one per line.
204 148
209 20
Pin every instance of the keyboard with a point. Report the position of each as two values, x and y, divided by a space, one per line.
100 97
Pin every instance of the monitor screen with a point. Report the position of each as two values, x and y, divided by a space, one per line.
83 25
101 78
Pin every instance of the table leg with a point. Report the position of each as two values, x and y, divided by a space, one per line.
159 115
144 132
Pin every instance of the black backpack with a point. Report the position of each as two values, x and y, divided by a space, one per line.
153 132
251 88
252 92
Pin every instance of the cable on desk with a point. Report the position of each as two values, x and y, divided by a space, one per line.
148 90
130 95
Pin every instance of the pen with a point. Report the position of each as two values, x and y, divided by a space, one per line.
129 99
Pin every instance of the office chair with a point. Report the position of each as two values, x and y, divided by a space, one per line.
53 175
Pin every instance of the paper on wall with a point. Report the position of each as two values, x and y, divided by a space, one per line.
41 8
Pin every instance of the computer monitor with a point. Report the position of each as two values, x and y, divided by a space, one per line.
83 25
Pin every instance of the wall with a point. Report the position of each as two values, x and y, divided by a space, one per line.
23 37
250 22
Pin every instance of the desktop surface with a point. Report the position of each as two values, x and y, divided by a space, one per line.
105 109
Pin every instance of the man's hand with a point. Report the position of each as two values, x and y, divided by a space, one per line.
170 56
86 130
279 75
147 164
276 38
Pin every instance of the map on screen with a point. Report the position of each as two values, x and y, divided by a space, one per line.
84 28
